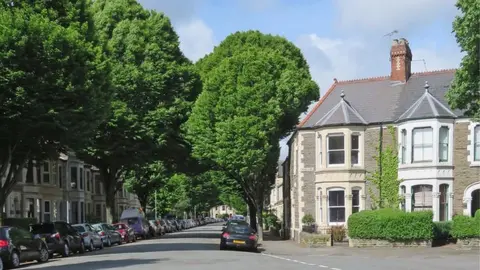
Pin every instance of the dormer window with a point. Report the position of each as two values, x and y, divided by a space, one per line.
336 149
422 144
443 144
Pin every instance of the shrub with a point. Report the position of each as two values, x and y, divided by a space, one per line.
308 220
466 227
271 221
442 230
391 224
338 233
23 223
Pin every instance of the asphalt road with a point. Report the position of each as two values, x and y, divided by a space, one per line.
198 249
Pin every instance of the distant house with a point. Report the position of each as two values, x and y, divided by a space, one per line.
332 149
220 210
276 195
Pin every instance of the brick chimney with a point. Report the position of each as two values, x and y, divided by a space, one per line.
401 60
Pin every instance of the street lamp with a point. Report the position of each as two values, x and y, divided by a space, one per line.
72 186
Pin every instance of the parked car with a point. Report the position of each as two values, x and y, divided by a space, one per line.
139 225
163 226
153 228
127 233
239 236
18 245
91 239
108 234
60 237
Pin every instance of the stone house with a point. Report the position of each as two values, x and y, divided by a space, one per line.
63 189
276 195
332 150
220 210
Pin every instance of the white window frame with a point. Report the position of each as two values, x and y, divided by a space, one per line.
320 150
359 205
45 212
338 207
422 145
46 164
357 150
443 145
320 205
476 143
335 150
403 146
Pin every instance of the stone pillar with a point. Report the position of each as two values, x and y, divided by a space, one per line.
467 206
450 205
363 202
436 205
348 206
408 202
325 210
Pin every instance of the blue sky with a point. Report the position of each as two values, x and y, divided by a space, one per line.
341 39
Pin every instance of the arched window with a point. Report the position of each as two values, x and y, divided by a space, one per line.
443 207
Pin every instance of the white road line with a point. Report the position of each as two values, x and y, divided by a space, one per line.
297 261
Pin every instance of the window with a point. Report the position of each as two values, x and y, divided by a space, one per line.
476 143
355 149
46 172
46 211
403 146
81 178
30 172
75 213
223 207
355 201
54 172
39 172
422 198
443 208
82 212
31 208
422 144
88 181
336 150
443 144
336 206
320 149
74 176
320 205
98 211
60 176
98 185
403 190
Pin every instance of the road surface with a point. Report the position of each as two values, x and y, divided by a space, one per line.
198 249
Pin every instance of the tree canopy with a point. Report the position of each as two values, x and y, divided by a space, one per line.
254 88
464 93
53 80
154 86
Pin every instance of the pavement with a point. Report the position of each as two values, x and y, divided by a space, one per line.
198 248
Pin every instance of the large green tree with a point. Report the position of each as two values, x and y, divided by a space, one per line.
254 88
154 87
464 93
53 81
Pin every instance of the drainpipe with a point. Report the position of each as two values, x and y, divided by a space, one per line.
380 167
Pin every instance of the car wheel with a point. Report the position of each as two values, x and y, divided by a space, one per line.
101 244
66 250
92 247
14 260
109 242
44 255
81 250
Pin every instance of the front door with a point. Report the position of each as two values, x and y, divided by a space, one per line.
475 202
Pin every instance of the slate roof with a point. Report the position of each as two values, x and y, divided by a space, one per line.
341 114
380 100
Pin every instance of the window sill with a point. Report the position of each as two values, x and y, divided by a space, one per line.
474 164
336 223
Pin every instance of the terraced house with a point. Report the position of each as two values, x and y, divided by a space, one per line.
332 150
64 189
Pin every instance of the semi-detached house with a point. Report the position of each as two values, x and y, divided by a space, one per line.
333 148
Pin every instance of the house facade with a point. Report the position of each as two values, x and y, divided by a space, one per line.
65 189
220 210
276 195
331 154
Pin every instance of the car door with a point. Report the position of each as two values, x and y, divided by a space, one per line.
115 236
97 240
32 245
74 236
18 241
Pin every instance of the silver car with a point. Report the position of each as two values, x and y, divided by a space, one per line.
91 239
108 234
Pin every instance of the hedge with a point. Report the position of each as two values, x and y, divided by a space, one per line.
391 224
442 230
19 222
466 227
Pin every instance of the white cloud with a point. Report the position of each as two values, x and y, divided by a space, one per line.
196 39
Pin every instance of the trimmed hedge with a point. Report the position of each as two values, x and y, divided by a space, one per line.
19 222
391 224
442 230
466 227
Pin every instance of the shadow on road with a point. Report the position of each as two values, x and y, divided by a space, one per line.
105 264
157 247
192 234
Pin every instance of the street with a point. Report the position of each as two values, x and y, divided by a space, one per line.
198 248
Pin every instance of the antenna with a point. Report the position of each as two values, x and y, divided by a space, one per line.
391 34
424 63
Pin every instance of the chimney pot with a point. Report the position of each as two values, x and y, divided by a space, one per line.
401 60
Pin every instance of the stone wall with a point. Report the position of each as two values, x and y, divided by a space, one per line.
313 240
308 174
463 174
469 243
385 243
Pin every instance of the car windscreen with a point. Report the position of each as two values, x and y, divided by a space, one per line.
79 228
239 229
97 227
131 221
42 228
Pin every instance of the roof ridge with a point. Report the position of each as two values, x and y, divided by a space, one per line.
380 78
369 79
438 71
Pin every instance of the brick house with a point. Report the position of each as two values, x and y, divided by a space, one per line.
332 149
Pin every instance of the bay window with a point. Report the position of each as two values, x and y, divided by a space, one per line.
81 178
403 146
476 143
320 205
355 149
336 206
422 198
336 149
355 201
74 176
422 144
443 144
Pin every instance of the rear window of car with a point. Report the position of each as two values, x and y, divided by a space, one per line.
79 228
241 229
42 228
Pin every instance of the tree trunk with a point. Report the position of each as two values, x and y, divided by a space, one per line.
110 186
260 223
143 202
252 212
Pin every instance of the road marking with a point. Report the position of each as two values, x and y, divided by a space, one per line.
297 261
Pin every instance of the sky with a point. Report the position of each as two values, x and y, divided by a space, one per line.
343 39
